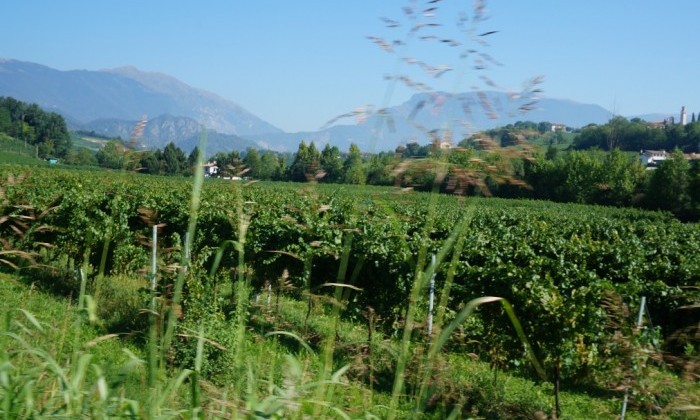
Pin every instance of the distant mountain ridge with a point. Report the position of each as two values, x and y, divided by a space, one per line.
126 94
111 101
185 132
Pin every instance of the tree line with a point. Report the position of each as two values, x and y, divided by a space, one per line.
637 134
46 131
615 179
477 167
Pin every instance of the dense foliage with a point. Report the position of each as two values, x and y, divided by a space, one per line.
615 179
636 134
556 264
31 124
504 163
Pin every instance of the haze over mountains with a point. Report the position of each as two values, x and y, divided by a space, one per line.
110 102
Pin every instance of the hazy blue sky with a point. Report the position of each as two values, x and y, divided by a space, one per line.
297 64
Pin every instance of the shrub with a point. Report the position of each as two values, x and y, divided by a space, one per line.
121 301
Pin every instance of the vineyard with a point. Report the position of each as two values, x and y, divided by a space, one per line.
572 277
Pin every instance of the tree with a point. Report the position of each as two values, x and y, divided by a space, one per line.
582 176
379 170
552 152
414 149
5 120
252 162
31 124
174 159
573 177
614 132
305 164
297 170
192 160
54 130
80 156
152 162
284 160
46 149
669 186
695 190
269 166
634 135
315 156
229 164
111 155
331 164
675 136
544 126
693 137
622 177
353 169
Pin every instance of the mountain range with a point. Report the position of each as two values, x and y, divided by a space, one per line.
111 102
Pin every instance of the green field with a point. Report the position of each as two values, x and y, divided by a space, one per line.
16 152
87 142
298 300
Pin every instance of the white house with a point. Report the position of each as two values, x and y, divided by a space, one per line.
557 127
210 169
651 158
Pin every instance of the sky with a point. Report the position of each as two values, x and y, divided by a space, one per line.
300 63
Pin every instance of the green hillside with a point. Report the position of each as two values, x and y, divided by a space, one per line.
92 143
14 151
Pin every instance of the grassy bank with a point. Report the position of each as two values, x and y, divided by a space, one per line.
58 361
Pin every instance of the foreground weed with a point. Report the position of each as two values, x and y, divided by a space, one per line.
36 382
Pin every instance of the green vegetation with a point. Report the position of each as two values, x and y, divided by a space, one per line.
54 362
88 140
45 130
13 151
539 134
615 179
281 299
636 134
524 160
51 339
151 296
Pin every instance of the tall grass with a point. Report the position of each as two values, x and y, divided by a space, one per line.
13 151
